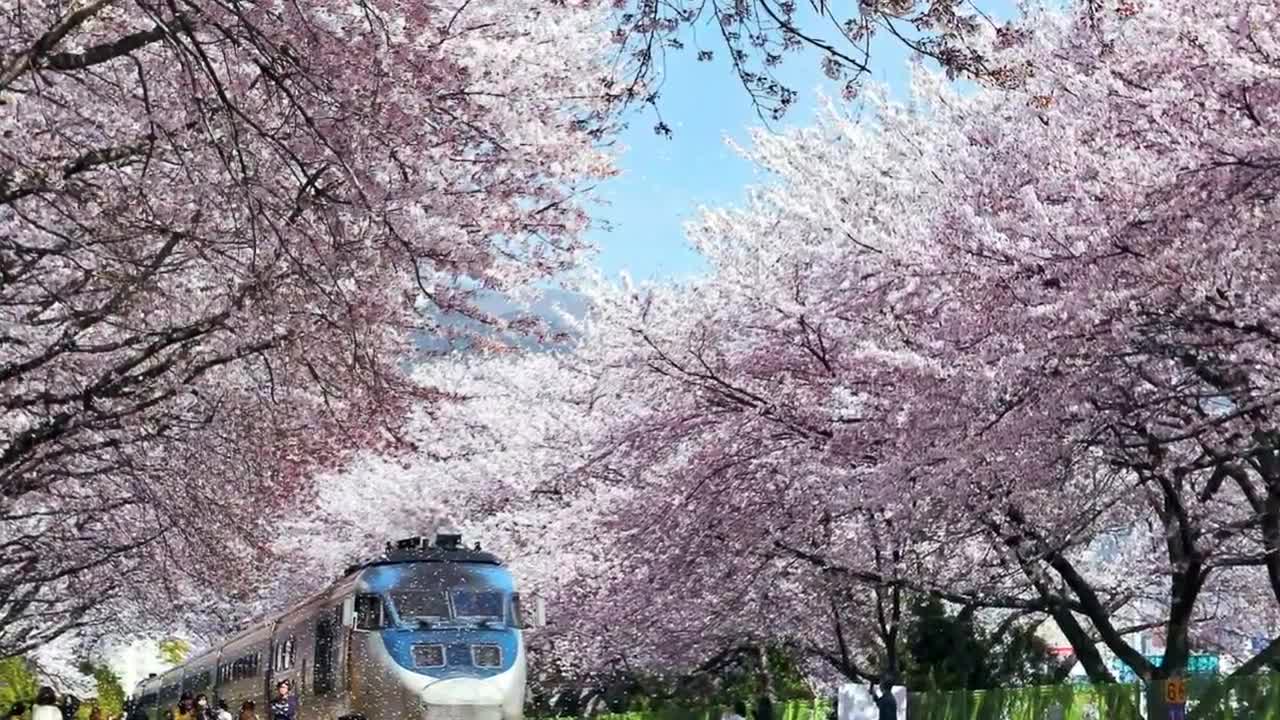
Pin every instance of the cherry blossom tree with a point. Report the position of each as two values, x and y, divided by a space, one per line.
223 224
1029 328
1095 281
756 38
1009 348
500 459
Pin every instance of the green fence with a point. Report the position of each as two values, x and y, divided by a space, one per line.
1250 697
1067 702
792 710
815 710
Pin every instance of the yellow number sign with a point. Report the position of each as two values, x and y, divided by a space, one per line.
1175 691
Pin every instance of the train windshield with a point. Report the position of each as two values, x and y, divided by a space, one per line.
442 593
473 605
436 606
419 605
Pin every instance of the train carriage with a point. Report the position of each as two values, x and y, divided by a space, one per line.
241 672
147 694
424 632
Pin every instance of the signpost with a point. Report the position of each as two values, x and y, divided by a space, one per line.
1175 696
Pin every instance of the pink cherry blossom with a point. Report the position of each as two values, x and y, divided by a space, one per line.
1011 347
222 226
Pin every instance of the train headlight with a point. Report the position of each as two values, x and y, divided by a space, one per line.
428 656
486 656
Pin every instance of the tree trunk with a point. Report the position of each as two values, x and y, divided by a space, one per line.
768 691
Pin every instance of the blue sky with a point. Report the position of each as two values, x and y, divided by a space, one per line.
664 181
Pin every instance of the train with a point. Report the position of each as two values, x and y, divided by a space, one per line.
430 630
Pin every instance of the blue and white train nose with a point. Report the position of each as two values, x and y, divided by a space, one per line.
471 675
459 696
462 699
462 691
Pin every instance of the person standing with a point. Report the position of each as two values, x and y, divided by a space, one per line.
222 713
70 706
285 705
885 701
739 712
136 713
248 711
17 711
764 708
46 707
186 709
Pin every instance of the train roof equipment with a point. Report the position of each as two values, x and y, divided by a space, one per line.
446 548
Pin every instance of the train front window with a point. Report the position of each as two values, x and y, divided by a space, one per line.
368 612
421 605
478 605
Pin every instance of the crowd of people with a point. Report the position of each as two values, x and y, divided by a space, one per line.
48 706
283 707
197 707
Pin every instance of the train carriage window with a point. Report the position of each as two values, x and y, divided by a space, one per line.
368 612
517 611
285 655
323 678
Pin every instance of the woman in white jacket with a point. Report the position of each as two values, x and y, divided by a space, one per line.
46 707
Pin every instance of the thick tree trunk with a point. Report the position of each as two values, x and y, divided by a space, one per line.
767 701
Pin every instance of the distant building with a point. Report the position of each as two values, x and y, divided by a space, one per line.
1150 643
